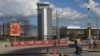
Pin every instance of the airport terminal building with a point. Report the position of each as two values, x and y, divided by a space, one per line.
81 32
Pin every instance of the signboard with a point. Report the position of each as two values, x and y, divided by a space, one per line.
14 29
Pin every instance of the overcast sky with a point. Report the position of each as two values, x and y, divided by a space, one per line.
71 12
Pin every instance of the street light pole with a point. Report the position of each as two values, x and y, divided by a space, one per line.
58 34
97 23
1 31
89 26
89 23
1 37
58 26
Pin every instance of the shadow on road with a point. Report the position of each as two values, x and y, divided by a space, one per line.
25 52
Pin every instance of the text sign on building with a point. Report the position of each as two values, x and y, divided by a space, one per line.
14 29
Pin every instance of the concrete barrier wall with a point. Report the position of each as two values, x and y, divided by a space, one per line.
5 44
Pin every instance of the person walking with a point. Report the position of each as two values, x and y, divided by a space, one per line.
75 43
78 51
94 44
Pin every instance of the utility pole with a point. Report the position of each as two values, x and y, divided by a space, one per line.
58 34
97 23
57 26
1 33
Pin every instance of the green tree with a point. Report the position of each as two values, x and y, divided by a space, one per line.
73 35
63 32
86 32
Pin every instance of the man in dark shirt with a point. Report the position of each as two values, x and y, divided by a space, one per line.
78 51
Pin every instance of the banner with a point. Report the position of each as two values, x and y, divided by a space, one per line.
14 29
38 43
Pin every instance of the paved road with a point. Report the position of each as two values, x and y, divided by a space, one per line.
41 51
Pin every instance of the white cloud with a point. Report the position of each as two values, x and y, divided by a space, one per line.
68 13
94 6
76 22
78 0
18 7
29 8
2 14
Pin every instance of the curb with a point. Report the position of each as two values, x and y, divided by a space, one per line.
90 50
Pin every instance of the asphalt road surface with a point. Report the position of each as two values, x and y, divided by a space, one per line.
42 52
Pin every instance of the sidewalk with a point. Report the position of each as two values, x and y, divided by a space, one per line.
91 50
86 48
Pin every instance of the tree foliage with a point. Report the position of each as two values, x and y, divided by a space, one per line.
86 32
63 32
73 35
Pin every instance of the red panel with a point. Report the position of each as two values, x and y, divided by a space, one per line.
38 42
51 42
31 43
62 41
15 44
